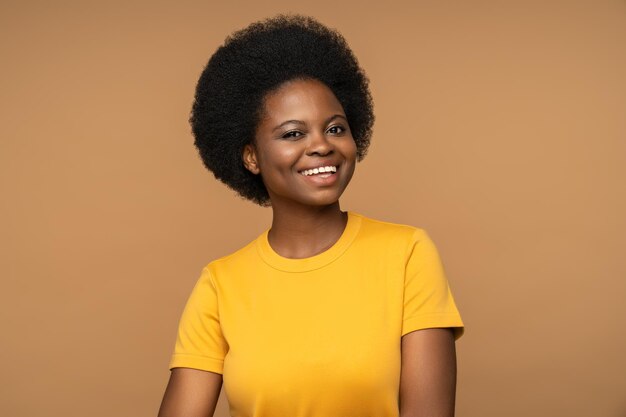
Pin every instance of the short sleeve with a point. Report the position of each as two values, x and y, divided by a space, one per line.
428 301
200 343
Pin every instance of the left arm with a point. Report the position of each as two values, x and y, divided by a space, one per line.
428 373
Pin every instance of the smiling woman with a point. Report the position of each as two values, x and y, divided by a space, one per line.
303 130
328 313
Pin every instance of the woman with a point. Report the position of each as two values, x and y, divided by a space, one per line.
328 312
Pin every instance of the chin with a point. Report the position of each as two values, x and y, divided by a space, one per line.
322 201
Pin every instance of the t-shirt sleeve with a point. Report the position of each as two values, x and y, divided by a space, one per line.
428 301
200 343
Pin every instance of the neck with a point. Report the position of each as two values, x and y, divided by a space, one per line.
305 231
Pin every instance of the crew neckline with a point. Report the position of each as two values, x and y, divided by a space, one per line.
273 259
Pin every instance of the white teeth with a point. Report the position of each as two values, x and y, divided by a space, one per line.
319 170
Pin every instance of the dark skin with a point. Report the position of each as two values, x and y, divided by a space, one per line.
428 374
304 126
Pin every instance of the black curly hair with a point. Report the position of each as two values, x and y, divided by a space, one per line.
255 61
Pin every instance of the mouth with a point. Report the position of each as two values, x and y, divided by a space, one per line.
322 171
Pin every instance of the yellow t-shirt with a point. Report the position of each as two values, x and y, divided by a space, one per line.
319 336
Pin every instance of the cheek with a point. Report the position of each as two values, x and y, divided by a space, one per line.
278 158
351 149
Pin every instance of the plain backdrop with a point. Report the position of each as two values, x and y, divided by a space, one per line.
500 130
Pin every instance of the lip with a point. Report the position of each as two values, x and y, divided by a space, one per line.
319 181
321 164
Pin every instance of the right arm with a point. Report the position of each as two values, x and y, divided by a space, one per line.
191 393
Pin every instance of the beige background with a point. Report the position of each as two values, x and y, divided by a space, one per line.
500 130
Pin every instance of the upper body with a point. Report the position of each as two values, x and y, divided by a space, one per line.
317 336
328 313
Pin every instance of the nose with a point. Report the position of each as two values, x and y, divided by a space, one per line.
319 144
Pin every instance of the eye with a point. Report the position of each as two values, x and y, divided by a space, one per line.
292 134
336 129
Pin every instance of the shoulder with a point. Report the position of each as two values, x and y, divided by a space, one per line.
388 231
244 255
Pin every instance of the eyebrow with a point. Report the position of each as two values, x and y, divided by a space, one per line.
300 122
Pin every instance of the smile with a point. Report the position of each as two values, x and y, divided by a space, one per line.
320 170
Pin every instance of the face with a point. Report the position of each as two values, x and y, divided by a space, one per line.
303 128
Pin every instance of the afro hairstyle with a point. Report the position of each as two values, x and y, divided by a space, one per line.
256 61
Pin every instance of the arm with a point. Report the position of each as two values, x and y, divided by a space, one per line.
428 373
191 393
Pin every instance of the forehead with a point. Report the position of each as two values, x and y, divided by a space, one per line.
300 100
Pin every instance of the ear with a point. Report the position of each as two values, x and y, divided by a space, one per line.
250 159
